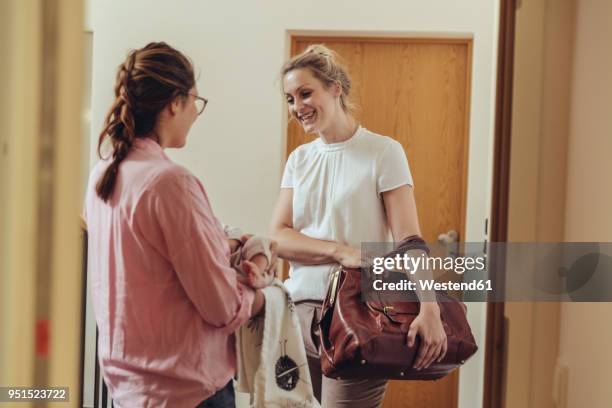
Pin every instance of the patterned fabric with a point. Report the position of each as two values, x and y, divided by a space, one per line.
272 365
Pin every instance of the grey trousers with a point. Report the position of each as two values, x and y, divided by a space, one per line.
334 393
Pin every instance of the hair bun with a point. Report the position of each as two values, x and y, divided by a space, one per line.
321 50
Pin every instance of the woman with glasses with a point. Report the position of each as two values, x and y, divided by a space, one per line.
165 297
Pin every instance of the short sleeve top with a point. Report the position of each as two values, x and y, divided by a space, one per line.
337 196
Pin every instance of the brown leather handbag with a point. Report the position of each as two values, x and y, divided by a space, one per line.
367 340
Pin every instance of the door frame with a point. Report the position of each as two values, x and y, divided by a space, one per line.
495 347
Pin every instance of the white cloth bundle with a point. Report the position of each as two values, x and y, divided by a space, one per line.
272 365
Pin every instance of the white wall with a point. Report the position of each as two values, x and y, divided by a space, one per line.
239 48
586 332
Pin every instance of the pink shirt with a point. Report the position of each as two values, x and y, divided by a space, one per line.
165 298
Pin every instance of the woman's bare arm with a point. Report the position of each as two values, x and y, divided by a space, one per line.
402 217
295 246
403 220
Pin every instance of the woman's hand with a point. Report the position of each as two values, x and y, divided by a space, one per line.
272 267
257 276
428 326
348 256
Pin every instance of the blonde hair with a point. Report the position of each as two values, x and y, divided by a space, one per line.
327 66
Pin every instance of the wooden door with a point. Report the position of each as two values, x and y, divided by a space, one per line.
416 91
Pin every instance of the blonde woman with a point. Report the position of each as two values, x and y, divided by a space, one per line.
348 186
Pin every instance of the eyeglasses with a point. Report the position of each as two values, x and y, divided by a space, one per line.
200 103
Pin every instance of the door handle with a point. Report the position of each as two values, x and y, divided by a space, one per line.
449 237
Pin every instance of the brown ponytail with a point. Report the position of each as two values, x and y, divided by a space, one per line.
147 81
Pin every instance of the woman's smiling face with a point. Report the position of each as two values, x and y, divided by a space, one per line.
310 102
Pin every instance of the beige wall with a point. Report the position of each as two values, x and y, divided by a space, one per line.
586 329
5 41
560 190
4 103
541 101
66 266
523 197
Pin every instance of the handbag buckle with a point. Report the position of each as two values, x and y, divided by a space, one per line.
386 310
333 288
